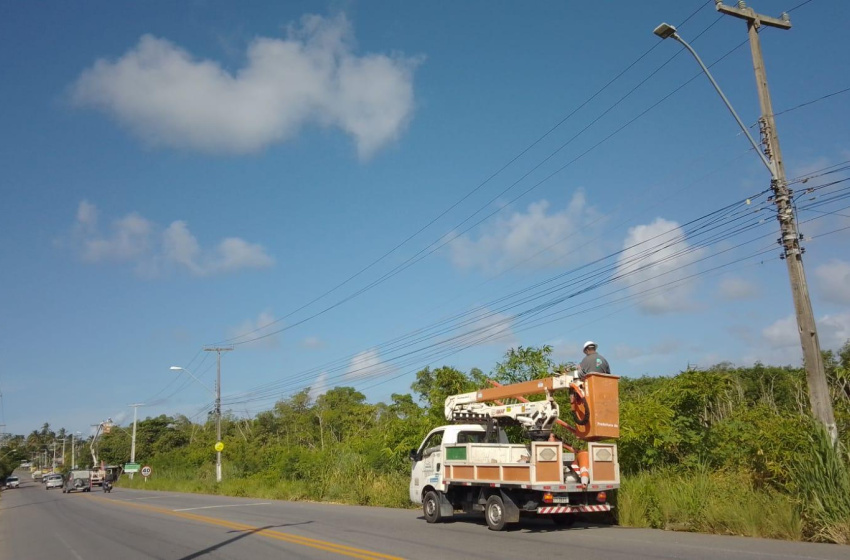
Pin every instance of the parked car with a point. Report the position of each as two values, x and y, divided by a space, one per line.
54 481
13 482
77 481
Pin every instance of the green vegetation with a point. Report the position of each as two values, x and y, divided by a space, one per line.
723 450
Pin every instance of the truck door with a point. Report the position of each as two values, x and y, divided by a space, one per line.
427 465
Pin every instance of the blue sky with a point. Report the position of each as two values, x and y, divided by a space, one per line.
182 174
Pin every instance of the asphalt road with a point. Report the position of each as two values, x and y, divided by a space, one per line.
39 524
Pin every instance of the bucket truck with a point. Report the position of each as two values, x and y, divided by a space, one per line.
98 472
471 466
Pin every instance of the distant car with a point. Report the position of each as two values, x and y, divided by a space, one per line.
26 465
77 481
13 482
37 475
54 481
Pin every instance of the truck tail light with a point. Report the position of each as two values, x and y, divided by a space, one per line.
547 497
601 497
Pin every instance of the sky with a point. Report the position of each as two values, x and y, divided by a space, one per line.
347 192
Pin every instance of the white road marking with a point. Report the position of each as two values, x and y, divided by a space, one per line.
228 505
68 546
148 498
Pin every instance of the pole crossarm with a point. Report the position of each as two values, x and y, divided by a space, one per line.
742 11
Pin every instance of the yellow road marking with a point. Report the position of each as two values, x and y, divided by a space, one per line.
327 546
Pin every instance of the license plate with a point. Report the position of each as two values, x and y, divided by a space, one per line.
560 499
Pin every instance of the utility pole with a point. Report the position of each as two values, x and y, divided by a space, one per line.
64 464
218 350
790 240
133 445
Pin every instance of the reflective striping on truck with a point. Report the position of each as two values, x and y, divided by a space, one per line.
573 509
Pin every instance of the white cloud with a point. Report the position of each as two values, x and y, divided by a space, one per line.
367 364
129 238
735 288
168 97
319 387
312 342
833 280
154 249
516 238
781 333
653 256
489 327
249 329
780 341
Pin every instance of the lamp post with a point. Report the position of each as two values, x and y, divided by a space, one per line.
819 396
667 31
217 395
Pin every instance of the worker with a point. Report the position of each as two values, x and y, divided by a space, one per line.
593 361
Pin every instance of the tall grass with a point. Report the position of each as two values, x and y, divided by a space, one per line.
346 482
823 481
708 501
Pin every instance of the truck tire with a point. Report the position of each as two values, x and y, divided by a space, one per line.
431 507
494 513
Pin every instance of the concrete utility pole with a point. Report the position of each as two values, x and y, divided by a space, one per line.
218 350
73 452
793 253
133 444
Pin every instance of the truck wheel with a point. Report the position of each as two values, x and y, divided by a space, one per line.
431 507
564 520
494 511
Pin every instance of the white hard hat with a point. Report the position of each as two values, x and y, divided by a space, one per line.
586 344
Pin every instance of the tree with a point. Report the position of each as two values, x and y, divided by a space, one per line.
524 364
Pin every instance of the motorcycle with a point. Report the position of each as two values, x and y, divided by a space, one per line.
107 486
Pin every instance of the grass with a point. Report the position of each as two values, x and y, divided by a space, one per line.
361 487
823 481
707 501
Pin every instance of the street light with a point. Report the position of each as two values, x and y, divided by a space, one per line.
666 31
217 395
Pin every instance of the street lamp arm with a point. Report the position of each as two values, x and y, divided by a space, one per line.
664 31
198 381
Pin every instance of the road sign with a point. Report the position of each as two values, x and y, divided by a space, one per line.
146 471
132 467
219 446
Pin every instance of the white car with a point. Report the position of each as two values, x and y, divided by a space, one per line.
13 482
54 481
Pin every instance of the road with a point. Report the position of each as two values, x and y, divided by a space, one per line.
39 524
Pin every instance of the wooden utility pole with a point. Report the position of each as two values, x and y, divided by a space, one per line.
790 239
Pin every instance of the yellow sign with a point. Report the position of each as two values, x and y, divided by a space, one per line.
219 446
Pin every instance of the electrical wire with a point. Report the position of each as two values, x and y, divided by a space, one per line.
479 186
490 327
437 245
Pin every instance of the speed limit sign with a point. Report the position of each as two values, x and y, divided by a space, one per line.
146 471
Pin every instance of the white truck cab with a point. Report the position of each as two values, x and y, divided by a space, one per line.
428 458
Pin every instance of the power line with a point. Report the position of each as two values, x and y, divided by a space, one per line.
798 6
489 327
435 246
480 185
